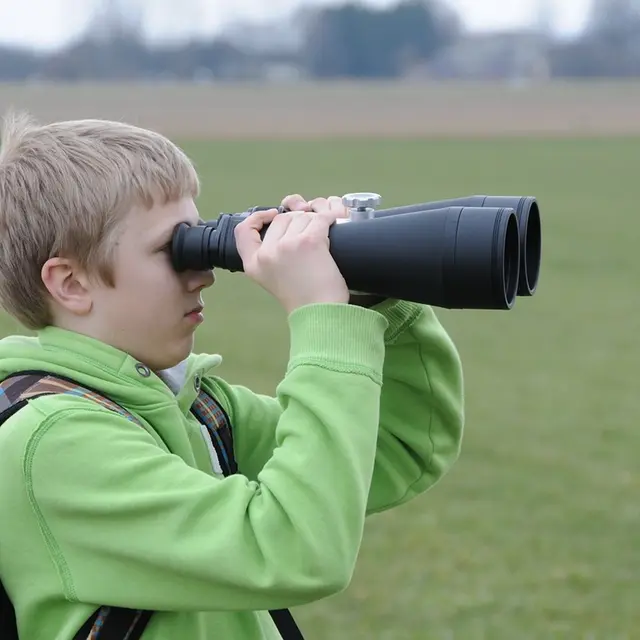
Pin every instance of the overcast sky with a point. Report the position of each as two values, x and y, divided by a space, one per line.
49 23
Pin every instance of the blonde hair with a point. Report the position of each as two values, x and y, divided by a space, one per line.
65 187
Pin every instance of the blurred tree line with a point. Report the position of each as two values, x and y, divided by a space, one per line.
347 41
609 45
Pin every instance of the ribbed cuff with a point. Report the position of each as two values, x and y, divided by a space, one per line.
340 337
400 315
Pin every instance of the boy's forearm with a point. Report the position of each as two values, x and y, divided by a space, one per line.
421 409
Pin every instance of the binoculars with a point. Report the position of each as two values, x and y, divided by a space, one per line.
475 252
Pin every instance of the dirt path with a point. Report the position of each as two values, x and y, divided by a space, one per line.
369 110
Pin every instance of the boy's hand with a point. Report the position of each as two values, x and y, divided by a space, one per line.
293 261
296 202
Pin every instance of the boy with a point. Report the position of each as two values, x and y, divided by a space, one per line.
100 512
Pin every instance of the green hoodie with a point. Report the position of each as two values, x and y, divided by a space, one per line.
97 511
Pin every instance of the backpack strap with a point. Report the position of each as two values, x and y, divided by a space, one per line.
17 390
215 419
213 416
119 623
114 623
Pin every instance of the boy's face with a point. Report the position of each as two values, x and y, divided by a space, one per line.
148 311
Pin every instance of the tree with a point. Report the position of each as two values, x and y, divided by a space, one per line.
613 33
353 40
609 46
116 20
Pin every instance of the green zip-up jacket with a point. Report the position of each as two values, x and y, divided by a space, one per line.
96 510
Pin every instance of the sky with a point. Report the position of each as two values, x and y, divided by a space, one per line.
46 24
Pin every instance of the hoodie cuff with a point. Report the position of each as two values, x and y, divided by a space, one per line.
341 337
400 314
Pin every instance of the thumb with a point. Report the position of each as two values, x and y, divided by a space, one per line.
247 233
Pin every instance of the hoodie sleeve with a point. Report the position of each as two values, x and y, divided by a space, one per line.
128 524
421 409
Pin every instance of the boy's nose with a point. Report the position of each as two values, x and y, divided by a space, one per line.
200 279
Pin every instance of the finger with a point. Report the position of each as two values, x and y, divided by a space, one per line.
330 215
300 220
336 204
320 224
319 204
247 233
277 229
295 202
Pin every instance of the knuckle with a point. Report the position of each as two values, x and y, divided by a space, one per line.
328 216
313 239
289 245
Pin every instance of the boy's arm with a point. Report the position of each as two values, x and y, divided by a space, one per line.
421 409
128 524
421 406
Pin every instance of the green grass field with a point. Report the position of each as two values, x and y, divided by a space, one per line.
535 532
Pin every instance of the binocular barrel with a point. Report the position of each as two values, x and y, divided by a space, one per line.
528 214
456 257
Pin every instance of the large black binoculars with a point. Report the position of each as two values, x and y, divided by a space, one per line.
476 252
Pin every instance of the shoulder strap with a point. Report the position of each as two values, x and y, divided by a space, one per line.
215 419
17 390
118 623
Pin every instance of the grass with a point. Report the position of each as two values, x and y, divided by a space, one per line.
534 533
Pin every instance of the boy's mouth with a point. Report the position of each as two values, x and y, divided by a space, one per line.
195 315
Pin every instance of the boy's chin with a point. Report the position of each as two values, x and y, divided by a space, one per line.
164 361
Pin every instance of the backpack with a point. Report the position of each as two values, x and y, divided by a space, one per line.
113 623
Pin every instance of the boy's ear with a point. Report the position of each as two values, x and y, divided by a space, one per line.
68 285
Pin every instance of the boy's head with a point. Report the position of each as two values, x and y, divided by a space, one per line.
87 210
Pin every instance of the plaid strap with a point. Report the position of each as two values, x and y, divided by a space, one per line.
23 387
214 418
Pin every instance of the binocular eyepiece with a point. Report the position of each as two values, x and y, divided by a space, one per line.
476 252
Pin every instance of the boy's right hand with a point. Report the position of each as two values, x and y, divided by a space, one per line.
293 261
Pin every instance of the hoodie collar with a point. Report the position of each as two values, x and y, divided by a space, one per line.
110 371
175 377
